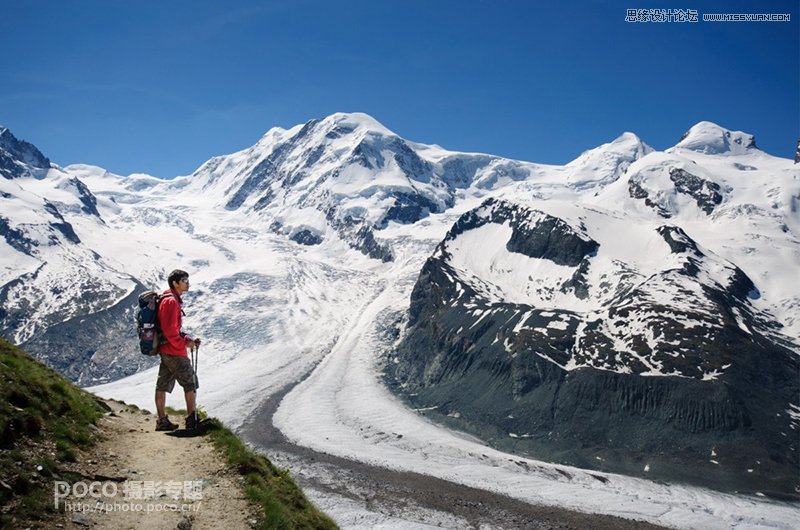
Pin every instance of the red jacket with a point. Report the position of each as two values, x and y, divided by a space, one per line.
169 320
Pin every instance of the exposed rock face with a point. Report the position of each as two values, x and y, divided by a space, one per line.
61 225
637 381
306 237
360 236
637 191
87 198
409 208
28 239
19 158
545 237
706 194
93 349
16 239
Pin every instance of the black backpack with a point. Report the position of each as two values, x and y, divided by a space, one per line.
147 322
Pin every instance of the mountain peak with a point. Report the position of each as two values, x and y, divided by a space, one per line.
337 125
356 120
628 137
709 138
607 162
18 157
627 144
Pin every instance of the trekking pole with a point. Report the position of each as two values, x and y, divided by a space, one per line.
195 352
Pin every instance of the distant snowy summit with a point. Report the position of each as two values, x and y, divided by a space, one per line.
346 176
710 138
609 161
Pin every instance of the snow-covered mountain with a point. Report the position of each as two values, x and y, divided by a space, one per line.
345 176
631 307
51 274
635 320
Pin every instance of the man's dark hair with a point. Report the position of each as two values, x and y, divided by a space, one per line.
176 276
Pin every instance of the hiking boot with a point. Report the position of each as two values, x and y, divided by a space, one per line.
163 424
192 421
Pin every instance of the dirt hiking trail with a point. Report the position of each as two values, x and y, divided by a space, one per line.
160 481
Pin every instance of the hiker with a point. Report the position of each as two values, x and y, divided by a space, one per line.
175 364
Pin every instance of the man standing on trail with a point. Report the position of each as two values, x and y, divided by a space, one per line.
175 364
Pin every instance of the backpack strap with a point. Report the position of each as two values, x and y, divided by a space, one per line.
168 295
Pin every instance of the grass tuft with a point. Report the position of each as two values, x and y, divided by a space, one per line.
282 502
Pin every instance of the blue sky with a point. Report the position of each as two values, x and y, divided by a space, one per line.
160 87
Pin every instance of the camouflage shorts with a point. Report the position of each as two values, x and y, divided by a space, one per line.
174 368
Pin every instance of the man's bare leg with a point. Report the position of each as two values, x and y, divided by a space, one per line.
191 398
161 403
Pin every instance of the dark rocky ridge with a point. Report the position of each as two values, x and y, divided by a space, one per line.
409 208
62 226
547 237
707 194
360 236
461 355
86 197
17 239
18 157
268 171
20 240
